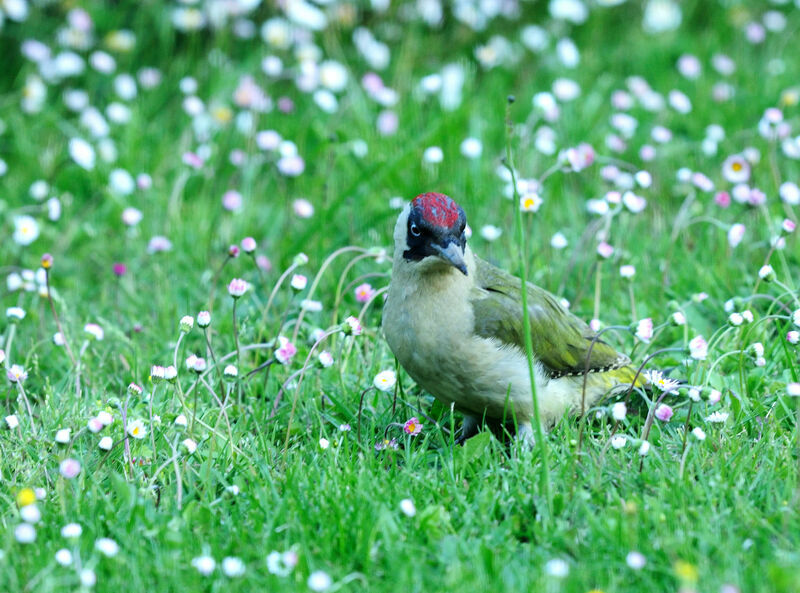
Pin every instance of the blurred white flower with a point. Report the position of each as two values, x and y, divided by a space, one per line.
26 229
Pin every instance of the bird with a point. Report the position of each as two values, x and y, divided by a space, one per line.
455 324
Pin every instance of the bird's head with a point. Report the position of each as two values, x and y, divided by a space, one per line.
430 230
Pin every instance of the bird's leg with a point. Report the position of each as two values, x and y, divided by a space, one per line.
469 428
525 435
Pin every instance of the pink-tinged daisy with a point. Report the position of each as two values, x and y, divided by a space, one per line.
364 293
412 426
286 350
736 169
604 250
387 444
263 263
158 244
232 200
94 425
702 182
664 412
233 251
644 329
157 374
204 319
387 123
352 327
192 160
95 331
248 245
633 202
291 166
788 226
302 208
736 234
698 348
722 199
237 287
325 359
579 157
627 271
70 468
298 282
793 336
16 374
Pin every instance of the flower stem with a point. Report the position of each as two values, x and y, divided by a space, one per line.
526 325
55 316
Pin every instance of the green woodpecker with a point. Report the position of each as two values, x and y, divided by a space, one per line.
455 323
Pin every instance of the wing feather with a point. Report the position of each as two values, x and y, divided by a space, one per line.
561 341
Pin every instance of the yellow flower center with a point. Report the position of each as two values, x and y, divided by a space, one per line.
737 166
25 497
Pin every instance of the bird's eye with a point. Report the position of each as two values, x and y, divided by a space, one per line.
415 230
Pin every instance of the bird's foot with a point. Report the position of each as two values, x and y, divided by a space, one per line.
469 428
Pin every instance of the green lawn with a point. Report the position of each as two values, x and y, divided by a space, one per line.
140 140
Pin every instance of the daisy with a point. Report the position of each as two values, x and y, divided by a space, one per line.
408 508
286 350
26 230
530 202
137 429
664 412
664 384
736 169
412 426
364 293
385 380
237 287
717 417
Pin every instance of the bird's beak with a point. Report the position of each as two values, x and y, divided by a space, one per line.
453 255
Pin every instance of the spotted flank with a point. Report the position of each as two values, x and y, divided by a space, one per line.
437 209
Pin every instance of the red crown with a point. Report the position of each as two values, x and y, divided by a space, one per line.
437 209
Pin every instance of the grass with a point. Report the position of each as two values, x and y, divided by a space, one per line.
706 515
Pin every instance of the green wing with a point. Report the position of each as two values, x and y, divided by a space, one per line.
561 341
